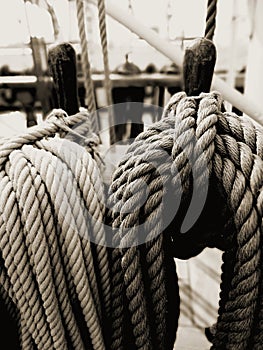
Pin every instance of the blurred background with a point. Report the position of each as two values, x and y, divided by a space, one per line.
30 27
175 20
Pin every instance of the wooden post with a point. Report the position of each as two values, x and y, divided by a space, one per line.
243 103
62 66
198 66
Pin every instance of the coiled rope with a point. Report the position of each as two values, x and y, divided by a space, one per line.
66 292
194 145
51 210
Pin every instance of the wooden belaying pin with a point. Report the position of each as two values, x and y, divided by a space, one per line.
198 66
62 67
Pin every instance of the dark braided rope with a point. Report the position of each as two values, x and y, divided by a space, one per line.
245 242
236 321
243 130
154 254
121 177
233 162
132 274
211 19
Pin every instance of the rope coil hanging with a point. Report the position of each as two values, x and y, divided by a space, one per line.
52 204
201 143
60 281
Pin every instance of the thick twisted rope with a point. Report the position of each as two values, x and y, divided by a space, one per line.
211 19
134 168
107 81
91 191
52 205
27 185
195 148
52 241
21 275
85 61
73 224
245 131
204 143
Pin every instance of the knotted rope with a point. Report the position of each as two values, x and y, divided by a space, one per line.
194 149
51 210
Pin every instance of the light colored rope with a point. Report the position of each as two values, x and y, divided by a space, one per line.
9 297
20 177
26 186
51 195
107 80
72 222
20 273
86 69
91 191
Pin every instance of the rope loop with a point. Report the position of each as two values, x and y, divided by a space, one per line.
52 235
71 291
197 162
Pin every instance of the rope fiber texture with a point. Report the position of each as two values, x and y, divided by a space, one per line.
194 149
107 80
60 284
86 68
211 19
54 266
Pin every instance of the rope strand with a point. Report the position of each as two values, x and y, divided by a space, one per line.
85 61
211 19
107 81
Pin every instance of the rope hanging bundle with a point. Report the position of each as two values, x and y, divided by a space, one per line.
66 292
51 210
194 145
